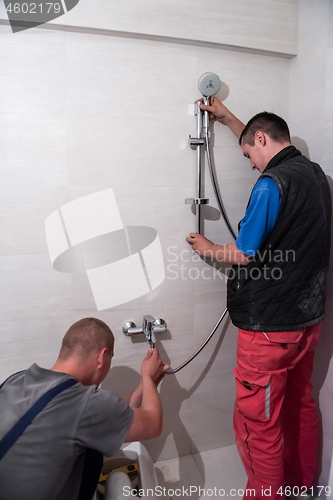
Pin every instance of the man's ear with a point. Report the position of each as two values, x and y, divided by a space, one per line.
261 137
100 357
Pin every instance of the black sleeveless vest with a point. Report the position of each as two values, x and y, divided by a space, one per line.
284 287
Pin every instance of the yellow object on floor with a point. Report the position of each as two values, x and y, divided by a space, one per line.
129 469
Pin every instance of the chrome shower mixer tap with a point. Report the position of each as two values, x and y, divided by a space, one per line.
150 326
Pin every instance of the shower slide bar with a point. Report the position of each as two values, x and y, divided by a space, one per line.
209 85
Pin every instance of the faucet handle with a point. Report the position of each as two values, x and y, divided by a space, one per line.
149 317
129 328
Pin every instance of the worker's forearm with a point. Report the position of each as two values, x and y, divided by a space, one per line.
235 125
150 396
229 254
151 401
135 399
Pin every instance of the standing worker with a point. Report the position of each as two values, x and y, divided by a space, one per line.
276 298
56 425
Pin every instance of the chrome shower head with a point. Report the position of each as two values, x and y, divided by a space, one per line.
209 84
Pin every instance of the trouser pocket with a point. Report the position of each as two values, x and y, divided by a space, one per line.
276 350
253 394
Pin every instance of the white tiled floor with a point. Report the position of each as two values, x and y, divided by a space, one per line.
220 468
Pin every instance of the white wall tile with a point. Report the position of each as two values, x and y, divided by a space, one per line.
128 76
218 471
27 341
222 469
30 288
222 21
235 23
34 78
180 472
102 150
33 146
23 210
216 420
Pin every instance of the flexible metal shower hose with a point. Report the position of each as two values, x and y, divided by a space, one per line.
216 188
171 371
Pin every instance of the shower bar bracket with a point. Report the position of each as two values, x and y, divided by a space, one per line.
197 201
194 142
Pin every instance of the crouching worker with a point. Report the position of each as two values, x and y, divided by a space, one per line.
56 425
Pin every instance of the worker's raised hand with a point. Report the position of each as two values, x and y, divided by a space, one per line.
153 366
200 244
217 110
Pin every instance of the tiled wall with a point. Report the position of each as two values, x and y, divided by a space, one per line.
81 112
256 24
84 112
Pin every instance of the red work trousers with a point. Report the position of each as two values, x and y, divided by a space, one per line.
275 418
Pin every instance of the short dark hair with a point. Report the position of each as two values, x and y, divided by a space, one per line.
269 123
86 336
